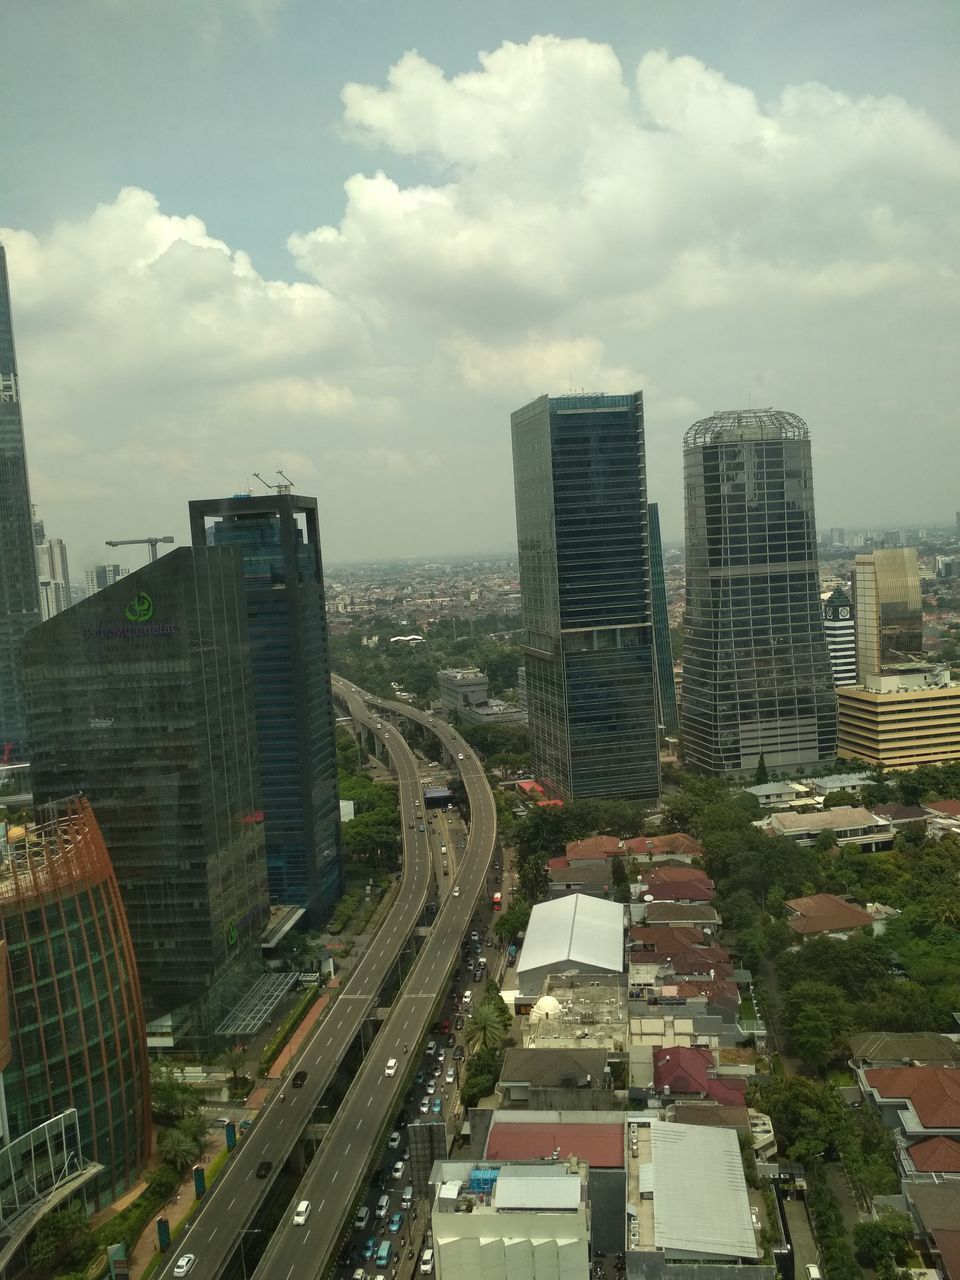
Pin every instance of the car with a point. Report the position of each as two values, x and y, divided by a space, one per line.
263 1168
301 1213
437 1072
459 1024
431 1048
395 1223
445 1026
451 1075
359 1274
419 1077
394 1140
391 1068
474 937
437 1106
184 1264
299 1080
425 1104
478 974
441 1054
459 755
431 1088
451 1040
426 1262
369 1248
458 1053
411 825
813 1271
456 891
398 1170
422 827
481 962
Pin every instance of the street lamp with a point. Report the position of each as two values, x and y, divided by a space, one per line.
248 1231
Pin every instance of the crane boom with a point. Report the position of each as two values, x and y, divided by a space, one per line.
139 542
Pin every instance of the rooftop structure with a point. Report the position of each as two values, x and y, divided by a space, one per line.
926 1100
580 1013
596 1138
576 934
893 1049
849 824
826 913
691 1072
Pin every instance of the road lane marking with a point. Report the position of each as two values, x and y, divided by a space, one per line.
232 1203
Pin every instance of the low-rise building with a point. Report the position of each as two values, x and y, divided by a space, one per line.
579 1013
679 915
917 1102
935 1208
464 693
826 913
899 719
852 783
847 824
547 1079
775 795
899 1048
691 1073
685 884
572 935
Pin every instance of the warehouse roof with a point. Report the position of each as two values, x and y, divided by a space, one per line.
574 930
700 1202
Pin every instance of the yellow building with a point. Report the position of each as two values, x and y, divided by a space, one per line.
900 719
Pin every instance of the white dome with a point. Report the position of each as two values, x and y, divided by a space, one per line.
546 1007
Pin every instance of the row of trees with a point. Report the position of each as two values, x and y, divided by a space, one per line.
373 836
485 1033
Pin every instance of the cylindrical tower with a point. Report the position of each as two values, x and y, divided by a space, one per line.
756 674
76 1020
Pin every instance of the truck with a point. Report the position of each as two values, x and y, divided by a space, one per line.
497 901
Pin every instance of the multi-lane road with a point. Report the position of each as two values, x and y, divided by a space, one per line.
334 1176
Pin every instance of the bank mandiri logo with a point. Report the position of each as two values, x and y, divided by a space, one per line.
140 608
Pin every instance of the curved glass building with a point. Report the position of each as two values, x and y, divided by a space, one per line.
77 1035
756 673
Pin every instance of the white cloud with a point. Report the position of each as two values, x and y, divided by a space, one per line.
572 223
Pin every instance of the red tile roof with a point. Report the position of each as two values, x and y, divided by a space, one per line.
936 1155
948 1245
949 808
531 788
668 888
594 848
601 1145
674 842
934 1092
826 913
687 1071
664 937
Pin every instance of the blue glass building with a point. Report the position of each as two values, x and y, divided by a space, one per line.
581 496
666 685
277 535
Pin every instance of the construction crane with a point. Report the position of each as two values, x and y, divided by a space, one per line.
139 542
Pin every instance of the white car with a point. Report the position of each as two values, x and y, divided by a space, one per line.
426 1262
456 891
450 1076
398 1170
391 1068
460 755
425 1105
184 1264
301 1213
394 1140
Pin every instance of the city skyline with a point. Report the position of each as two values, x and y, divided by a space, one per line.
169 325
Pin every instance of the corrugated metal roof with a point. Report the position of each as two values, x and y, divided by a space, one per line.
576 929
557 1193
700 1199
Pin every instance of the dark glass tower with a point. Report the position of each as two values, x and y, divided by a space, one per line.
141 698
278 537
756 674
666 685
581 494
19 589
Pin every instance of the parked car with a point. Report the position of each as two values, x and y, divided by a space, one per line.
394 1140
458 1053
398 1170
426 1262
425 1105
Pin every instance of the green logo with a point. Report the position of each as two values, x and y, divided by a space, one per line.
233 935
140 608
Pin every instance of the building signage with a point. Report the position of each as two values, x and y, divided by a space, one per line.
139 623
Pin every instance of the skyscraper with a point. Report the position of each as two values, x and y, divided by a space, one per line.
839 628
581 496
666 685
756 674
19 595
53 573
277 535
889 609
101 575
140 698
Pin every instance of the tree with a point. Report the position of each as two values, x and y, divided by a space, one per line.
808 1116
761 776
57 1234
177 1149
484 1029
171 1097
811 1038
513 921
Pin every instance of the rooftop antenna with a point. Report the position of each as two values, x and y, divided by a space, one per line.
258 476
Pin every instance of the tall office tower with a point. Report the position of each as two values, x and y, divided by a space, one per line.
102 575
666 685
581 495
19 595
888 609
141 698
53 573
838 538
893 538
75 1016
756 674
278 536
839 627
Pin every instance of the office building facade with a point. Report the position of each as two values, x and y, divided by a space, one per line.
756 673
581 499
53 572
76 1026
19 593
888 609
278 538
840 630
666 685
898 719
103 575
141 698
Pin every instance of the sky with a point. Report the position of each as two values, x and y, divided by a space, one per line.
345 240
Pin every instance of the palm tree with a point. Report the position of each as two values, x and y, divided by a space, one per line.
177 1149
233 1061
484 1029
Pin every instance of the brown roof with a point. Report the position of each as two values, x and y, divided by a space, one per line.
826 913
921 1048
673 842
593 848
936 1155
715 1115
949 808
948 1244
934 1091
901 812
664 937
667 912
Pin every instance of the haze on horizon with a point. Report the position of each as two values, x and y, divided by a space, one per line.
250 234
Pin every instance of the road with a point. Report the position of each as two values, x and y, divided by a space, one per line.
231 1203
337 1172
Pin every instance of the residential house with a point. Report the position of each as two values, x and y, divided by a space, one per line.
776 795
675 884
848 825
699 915
551 1079
935 1208
826 913
689 1073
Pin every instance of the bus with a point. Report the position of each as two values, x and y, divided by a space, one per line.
497 901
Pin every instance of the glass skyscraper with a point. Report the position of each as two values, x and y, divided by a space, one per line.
277 535
756 673
666 685
141 698
888 607
581 496
19 588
